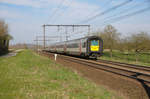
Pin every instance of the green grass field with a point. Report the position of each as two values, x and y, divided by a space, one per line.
143 59
30 76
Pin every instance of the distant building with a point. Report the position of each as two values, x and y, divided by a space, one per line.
4 45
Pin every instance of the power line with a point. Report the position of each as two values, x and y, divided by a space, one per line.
97 9
123 11
107 11
56 10
62 13
126 16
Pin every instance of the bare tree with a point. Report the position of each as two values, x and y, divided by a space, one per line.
110 37
140 43
125 44
3 29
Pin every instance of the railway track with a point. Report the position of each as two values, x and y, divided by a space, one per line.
138 73
134 68
145 68
143 77
130 83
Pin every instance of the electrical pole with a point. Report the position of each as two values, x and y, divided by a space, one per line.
37 46
44 36
66 34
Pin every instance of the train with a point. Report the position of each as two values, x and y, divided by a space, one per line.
87 47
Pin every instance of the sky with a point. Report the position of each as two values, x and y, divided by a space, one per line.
26 17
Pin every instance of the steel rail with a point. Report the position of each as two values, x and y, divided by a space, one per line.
105 68
144 68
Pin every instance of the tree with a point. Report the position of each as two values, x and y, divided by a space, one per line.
110 37
140 43
125 44
4 31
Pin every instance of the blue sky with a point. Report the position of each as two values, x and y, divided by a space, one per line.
25 17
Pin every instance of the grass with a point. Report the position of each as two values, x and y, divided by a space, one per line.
30 76
143 58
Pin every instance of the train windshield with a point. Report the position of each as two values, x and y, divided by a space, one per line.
94 43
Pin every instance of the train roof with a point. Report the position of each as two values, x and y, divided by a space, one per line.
87 37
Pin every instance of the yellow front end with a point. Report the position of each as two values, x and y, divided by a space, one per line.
94 45
94 48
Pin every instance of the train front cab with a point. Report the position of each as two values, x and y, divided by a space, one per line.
94 47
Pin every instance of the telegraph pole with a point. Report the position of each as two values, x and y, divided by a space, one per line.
66 34
44 36
37 45
45 39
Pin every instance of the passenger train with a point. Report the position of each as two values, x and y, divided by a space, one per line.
89 47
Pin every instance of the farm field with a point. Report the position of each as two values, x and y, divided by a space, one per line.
30 76
143 58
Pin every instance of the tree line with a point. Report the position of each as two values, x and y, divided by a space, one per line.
137 42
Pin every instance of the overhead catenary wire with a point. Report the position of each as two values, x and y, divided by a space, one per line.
126 16
63 12
56 10
112 19
124 11
107 11
97 9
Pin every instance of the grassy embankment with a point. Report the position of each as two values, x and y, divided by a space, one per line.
29 76
143 59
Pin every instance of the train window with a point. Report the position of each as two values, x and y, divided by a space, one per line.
72 45
83 44
75 45
69 46
94 42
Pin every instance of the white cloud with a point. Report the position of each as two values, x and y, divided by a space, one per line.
31 3
22 2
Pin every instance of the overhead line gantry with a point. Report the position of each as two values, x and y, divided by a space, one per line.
65 26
